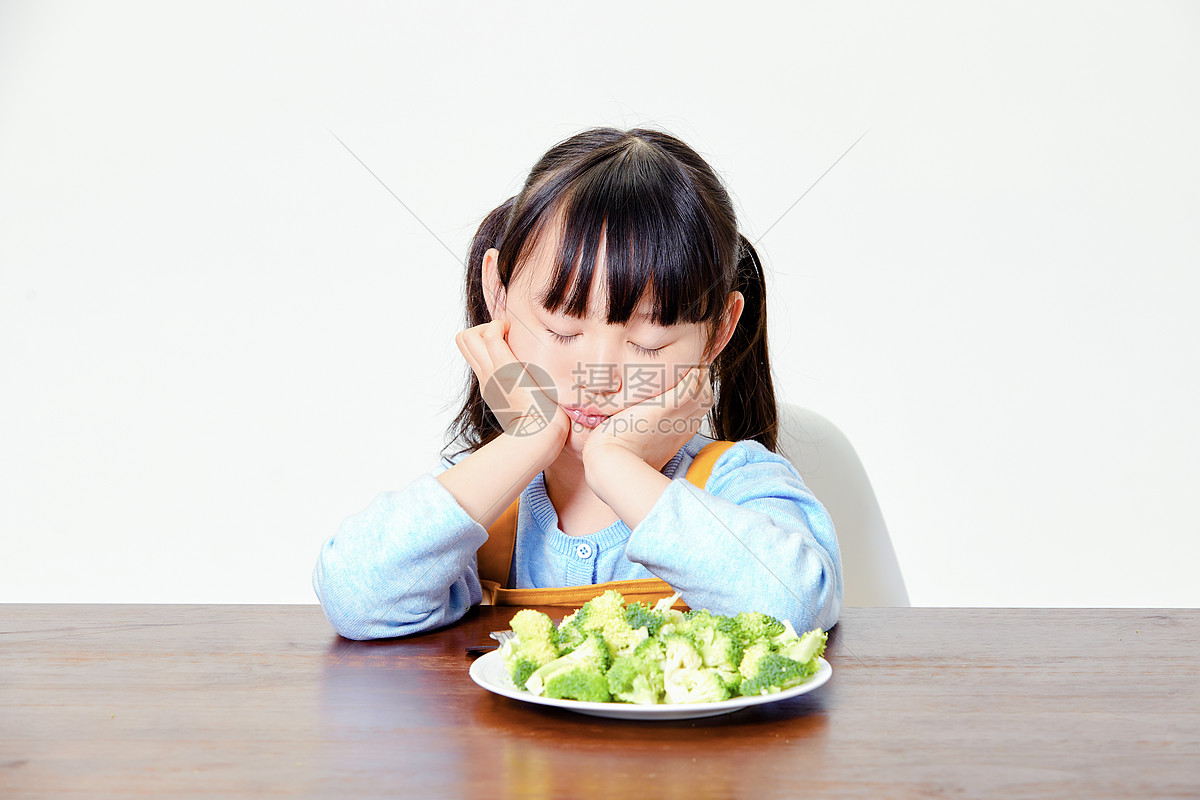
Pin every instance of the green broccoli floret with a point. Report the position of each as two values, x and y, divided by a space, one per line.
680 652
641 615
685 678
718 638
605 613
577 675
765 672
665 604
638 677
532 647
694 685
651 648
586 685
671 616
788 634
756 626
569 634
805 648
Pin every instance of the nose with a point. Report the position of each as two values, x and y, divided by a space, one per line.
600 377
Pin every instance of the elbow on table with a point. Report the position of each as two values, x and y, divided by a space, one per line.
350 619
832 608
361 623
344 605
828 594
819 606
358 614
347 618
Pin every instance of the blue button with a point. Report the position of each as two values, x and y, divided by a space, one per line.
583 550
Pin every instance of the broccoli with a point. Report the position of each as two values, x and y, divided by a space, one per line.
605 613
577 675
756 626
787 635
665 604
680 652
570 633
805 648
640 615
671 616
532 647
799 648
718 638
685 678
586 685
638 677
695 685
609 651
765 671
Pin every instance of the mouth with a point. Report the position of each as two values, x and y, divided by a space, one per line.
587 416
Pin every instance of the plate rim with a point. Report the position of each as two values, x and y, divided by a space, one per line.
634 710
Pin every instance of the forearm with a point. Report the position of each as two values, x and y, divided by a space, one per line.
776 555
487 481
626 483
402 565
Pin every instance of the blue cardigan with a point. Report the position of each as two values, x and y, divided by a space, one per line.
755 539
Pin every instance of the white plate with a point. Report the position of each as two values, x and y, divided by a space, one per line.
489 672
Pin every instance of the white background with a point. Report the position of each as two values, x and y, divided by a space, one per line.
220 335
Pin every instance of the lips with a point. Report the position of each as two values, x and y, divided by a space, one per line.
587 416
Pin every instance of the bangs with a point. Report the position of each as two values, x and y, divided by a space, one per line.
657 239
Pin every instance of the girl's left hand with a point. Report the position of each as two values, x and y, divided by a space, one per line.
655 428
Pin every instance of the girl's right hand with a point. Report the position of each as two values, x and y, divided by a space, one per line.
515 392
535 428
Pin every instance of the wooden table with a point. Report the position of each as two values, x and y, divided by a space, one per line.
172 701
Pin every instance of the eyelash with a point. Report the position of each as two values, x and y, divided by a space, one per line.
655 353
645 351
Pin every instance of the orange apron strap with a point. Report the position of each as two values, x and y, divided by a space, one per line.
646 590
702 465
495 557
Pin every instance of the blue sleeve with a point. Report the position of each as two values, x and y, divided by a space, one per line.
755 539
404 564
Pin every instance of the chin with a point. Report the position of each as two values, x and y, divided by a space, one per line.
576 439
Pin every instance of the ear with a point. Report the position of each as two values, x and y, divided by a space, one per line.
734 305
494 293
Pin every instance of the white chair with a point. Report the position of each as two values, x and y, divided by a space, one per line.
826 460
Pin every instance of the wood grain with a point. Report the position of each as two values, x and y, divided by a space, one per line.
178 701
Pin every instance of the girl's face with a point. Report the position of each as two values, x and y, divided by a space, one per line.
597 369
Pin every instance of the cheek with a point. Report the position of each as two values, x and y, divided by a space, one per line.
551 359
525 346
689 356
650 377
646 378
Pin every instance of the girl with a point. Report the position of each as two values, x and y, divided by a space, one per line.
612 307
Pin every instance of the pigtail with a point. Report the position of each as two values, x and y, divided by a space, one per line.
475 424
745 405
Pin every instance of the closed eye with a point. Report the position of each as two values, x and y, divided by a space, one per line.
651 352
646 351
